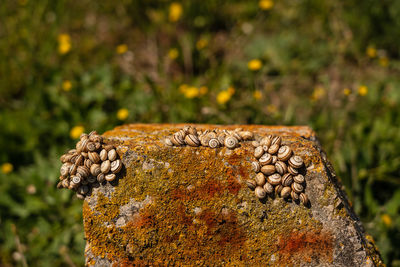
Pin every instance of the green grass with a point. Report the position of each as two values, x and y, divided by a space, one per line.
310 50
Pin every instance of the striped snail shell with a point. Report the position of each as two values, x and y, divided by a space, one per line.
273 149
178 139
260 192
91 146
98 145
73 158
266 141
108 147
260 179
83 171
296 162
116 166
276 140
186 129
192 140
285 192
212 135
255 166
268 169
96 138
85 154
84 144
278 189
268 188
72 169
298 188
204 139
104 154
79 147
192 131
84 136
303 199
237 136
287 179
294 195
246 135
110 177
95 169
112 155
258 152
65 183
284 153
280 167
60 185
293 171
213 143
221 138
255 144
231 142
274 159
105 167
251 184
274 179
167 141
265 159
101 177
94 157
76 180
64 170
88 163
92 133
299 179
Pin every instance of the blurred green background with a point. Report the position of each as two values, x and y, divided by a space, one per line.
73 66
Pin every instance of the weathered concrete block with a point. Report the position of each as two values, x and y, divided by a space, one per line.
190 206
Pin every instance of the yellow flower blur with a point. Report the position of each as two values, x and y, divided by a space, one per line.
203 90
66 85
266 4
173 53
7 168
175 11
231 90
223 97
254 64
386 220
122 114
384 61
318 93
64 43
121 49
371 52
346 91
76 132
257 94
191 92
201 43
362 90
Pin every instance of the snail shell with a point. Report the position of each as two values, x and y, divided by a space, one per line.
274 159
192 131
72 169
285 192
65 183
76 180
83 171
265 148
64 170
104 154
105 167
112 155
303 199
260 192
255 144
273 149
110 177
178 139
96 138
278 189
204 139
296 162
258 152
251 184
94 157
260 179
213 143
284 153
84 144
73 158
95 169
274 179
280 167
265 159
276 140
80 196
108 147
268 169
59 185
88 163
255 166
287 179
212 135
237 136
266 141
98 145
100 177
83 189
294 195
79 147
85 154
221 138
192 140
268 188
298 188
246 135
116 166
186 129
91 146
299 179
293 171
63 158
167 141
84 136
92 133
231 142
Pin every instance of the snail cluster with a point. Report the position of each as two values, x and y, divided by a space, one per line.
91 162
277 171
213 139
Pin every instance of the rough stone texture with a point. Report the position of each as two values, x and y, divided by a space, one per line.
190 206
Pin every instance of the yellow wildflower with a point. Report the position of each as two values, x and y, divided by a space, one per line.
122 114
266 4
175 11
173 53
201 43
183 88
223 97
203 90
6 167
384 61
371 52
64 43
272 109
191 92
76 132
363 90
257 94
121 49
231 90
318 93
386 220
66 85
346 91
254 64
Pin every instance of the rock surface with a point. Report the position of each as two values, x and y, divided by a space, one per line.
190 206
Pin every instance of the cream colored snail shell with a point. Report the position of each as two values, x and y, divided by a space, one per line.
116 166
274 159
299 179
88 163
231 142
167 141
95 169
260 179
278 189
265 159
296 162
294 195
221 138
280 167
112 155
298 188
237 136
274 179
110 177
108 147
91 146
287 179
276 140
83 171
255 144
213 143
268 169
260 192
255 166
246 135
192 140
104 154
76 180
303 199
94 157
284 153
266 141
273 149
258 152
72 169
268 188
293 171
100 178
105 166
251 184
285 192
64 170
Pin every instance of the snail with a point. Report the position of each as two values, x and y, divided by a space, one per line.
231 142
